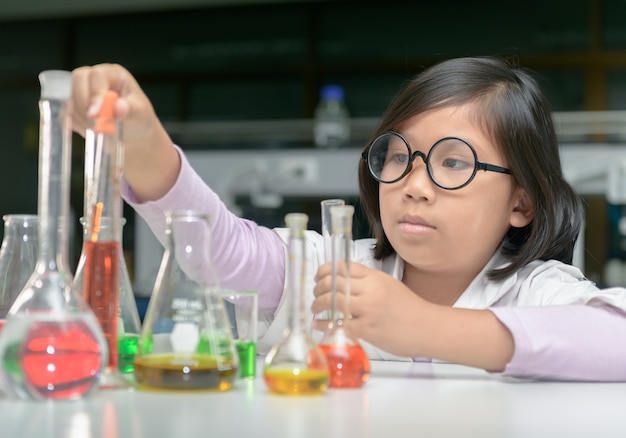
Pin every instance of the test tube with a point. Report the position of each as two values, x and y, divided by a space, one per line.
102 244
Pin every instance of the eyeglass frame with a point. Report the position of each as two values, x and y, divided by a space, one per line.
478 165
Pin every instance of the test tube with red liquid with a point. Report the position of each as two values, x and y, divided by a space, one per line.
102 244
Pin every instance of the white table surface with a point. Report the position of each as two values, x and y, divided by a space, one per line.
401 399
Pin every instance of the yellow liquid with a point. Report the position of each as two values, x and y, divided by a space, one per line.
190 372
296 382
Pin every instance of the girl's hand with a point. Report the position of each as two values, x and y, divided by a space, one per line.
390 316
151 164
382 308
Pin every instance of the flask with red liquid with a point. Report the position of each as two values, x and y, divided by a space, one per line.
348 363
51 346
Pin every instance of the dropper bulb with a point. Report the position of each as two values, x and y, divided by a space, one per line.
55 84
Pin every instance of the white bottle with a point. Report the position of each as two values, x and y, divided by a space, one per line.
331 127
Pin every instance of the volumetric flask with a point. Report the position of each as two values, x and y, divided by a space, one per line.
296 365
128 321
18 255
51 345
349 366
185 341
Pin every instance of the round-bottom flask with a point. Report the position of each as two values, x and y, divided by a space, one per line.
296 365
128 321
18 255
348 363
186 342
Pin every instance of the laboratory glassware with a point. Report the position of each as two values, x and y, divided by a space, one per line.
99 275
18 255
243 313
128 321
327 232
52 346
296 365
185 341
349 366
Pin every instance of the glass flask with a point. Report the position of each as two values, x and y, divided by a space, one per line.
327 232
348 364
296 365
99 273
128 321
52 346
18 255
186 342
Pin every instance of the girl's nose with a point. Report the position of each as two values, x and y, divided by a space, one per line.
417 183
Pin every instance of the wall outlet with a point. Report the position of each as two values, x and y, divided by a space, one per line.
298 170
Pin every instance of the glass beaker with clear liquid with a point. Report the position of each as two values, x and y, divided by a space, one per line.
185 341
296 365
18 255
348 363
51 345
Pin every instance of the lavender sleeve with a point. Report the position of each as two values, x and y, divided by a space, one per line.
245 255
572 342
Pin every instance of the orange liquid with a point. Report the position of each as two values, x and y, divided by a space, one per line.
100 288
296 382
349 365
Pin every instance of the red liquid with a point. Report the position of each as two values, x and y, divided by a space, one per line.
348 364
61 360
100 288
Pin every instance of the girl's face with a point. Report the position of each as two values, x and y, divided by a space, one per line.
450 231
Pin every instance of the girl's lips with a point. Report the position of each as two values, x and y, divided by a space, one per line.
414 224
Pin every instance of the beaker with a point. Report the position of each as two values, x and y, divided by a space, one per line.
349 366
18 255
128 321
185 341
102 244
243 313
296 365
51 345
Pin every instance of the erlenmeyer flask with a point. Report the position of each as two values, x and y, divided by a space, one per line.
18 255
296 365
51 345
128 321
348 364
185 341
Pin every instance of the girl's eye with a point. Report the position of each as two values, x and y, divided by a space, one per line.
400 158
455 163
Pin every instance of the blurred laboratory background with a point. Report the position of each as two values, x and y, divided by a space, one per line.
237 82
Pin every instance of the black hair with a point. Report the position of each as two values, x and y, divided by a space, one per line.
510 105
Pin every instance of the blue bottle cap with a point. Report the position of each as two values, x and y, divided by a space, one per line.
332 92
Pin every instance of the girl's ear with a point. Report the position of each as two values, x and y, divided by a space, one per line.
523 211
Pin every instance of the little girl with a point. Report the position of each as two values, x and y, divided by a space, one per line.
474 228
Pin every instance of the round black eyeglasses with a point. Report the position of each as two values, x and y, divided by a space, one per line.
451 162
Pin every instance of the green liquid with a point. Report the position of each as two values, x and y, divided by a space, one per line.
127 346
247 358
